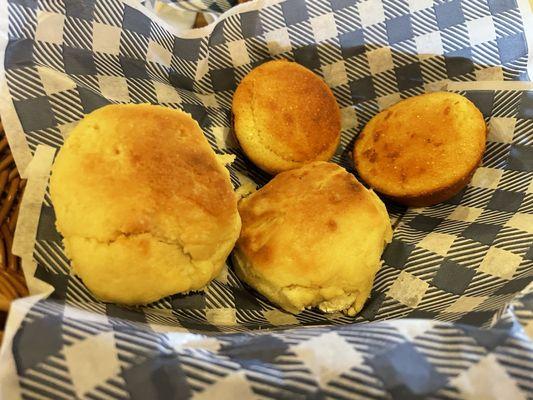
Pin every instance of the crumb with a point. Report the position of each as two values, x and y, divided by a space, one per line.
226 159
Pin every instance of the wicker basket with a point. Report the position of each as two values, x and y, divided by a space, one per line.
12 283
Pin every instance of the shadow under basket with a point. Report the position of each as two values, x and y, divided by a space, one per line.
12 284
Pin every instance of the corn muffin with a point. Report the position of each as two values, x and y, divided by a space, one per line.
285 116
423 150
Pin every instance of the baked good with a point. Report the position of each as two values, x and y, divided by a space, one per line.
285 116
145 208
312 236
423 150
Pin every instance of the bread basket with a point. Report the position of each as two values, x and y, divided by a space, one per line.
12 284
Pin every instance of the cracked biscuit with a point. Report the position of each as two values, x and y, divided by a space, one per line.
312 237
423 150
285 116
145 207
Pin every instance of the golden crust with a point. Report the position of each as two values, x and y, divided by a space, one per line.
312 236
422 150
285 116
131 170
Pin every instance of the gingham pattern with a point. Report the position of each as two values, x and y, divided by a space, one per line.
403 359
460 261
216 6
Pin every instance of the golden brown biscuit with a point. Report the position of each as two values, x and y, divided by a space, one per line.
285 116
423 150
145 207
312 236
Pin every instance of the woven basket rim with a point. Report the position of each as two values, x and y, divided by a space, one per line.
12 283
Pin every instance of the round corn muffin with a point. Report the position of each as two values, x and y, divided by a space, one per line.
422 150
285 116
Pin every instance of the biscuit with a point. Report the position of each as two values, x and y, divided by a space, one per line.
312 237
145 207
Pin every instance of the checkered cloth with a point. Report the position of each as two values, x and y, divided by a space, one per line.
455 267
216 6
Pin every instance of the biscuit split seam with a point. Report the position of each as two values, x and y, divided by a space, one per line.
126 235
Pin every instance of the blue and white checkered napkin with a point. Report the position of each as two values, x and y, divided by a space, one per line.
452 270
